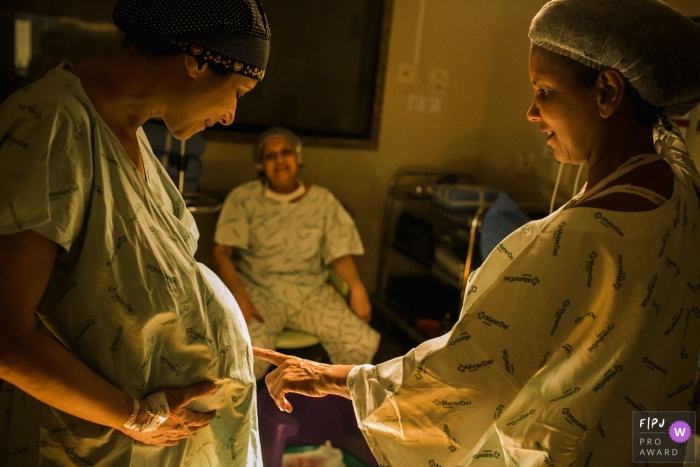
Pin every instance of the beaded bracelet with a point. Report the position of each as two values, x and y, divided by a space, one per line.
155 412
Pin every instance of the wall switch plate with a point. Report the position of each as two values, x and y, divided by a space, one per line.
433 104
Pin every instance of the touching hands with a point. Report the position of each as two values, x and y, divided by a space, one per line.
171 432
301 376
359 303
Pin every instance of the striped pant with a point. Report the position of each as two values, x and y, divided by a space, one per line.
323 313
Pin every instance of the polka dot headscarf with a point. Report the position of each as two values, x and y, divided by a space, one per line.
231 33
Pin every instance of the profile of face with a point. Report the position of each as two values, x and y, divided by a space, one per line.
566 110
206 98
279 159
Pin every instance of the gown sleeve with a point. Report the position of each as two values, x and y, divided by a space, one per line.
341 237
553 321
45 164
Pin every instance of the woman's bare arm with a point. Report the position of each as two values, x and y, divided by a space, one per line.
224 268
33 361
359 301
46 370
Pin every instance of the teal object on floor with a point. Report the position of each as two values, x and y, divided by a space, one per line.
349 459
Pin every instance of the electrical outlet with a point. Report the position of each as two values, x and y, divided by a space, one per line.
438 80
433 104
408 73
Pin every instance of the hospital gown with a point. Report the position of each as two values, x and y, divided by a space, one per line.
572 323
283 251
125 296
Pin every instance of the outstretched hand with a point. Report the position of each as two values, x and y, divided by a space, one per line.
301 376
171 432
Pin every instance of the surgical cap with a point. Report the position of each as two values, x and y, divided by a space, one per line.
234 34
259 144
654 46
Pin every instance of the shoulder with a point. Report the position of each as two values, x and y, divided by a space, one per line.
247 188
656 176
57 89
246 191
619 202
328 205
320 193
53 102
323 200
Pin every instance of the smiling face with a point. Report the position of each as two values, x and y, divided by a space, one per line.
207 98
279 161
565 109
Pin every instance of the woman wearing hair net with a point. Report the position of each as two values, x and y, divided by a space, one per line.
286 235
579 319
136 347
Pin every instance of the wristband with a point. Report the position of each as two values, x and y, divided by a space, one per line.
148 414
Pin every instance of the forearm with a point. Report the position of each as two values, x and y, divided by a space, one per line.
32 360
224 268
345 268
44 369
358 300
335 380
303 377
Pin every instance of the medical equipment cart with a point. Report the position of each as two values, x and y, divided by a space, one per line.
427 250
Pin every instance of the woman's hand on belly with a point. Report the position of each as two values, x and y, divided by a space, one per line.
171 431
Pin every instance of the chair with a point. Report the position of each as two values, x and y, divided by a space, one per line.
302 345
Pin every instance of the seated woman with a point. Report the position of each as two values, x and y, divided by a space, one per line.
285 234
